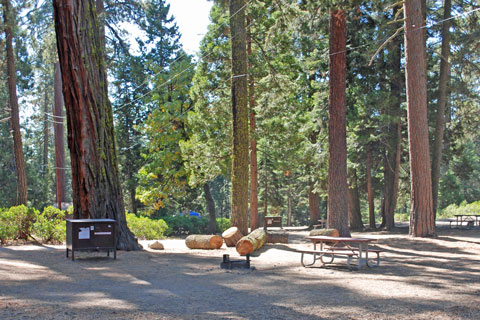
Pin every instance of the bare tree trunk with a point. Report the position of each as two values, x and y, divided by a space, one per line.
91 139
289 206
337 169
371 205
394 149
46 134
212 221
422 222
313 206
240 117
442 101
354 213
14 109
58 129
253 141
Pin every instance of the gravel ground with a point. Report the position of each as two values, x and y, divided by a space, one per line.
433 278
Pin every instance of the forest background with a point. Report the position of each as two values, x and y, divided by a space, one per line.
173 116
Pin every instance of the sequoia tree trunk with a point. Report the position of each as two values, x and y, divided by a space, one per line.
442 101
58 129
240 116
422 222
91 139
337 141
13 103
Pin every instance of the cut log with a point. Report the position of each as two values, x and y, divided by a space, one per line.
277 236
325 232
251 242
200 241
231 236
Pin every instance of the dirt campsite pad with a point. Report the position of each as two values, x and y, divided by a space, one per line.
434 278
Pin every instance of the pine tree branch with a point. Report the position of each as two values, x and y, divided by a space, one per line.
384 44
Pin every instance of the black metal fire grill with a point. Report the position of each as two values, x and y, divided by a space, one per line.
235 264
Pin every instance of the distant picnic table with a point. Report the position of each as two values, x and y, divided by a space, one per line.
340 246
468 218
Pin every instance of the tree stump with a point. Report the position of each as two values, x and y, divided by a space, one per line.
325 232
199 241
231 236
251 242
277 236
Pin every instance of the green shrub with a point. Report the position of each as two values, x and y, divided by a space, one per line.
146 228
463 208
178 225
223 224
23 219
50 225
8 228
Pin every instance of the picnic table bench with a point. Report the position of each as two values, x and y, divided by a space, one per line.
340 247
321 223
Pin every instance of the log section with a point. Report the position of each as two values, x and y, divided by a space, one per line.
324 232
231 236
277 236
251 242
199 241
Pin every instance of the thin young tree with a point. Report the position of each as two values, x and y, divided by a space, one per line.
337 139
422 222
240 116
91 139
58 129
442 102
253 140
9 19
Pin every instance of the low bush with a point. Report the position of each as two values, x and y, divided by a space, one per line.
463 208
146 228
50 225
8 228
20 220
178 225
223 224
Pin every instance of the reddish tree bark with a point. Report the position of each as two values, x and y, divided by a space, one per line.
91 139
58 129
422 222
253 141
22 197
337 169
240 117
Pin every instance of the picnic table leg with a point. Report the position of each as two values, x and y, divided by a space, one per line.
310 264
362 261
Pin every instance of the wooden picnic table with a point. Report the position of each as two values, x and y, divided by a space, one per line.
341 246
460 218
